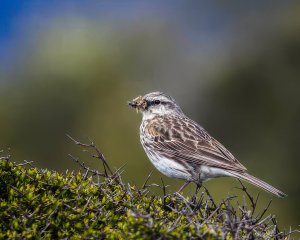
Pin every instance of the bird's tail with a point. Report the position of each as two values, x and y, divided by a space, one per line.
259 183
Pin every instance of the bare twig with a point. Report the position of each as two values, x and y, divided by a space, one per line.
98 154
264 211
95 172
146 181
252 201
25 163
164 192
210 197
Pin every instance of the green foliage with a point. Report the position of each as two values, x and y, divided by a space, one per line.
45 204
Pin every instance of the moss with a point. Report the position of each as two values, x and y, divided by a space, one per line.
45 204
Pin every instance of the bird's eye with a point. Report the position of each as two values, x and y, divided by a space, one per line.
157 102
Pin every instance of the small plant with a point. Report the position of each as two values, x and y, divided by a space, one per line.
38 203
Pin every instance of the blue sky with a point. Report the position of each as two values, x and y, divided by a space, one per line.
207 23
16 16
13 15
12 10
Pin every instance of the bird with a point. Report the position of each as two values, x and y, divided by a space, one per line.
180 148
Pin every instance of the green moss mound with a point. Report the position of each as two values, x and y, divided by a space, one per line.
91 205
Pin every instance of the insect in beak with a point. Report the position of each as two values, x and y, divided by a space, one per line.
133 105
137 103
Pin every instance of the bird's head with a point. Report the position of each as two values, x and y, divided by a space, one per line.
155 103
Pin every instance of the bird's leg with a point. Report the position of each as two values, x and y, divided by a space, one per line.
194 197
199 185
183 186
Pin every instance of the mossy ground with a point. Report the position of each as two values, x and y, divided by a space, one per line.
43 204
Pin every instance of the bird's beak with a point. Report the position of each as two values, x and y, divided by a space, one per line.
138 103
133 105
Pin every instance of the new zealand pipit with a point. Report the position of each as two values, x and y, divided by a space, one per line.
180 148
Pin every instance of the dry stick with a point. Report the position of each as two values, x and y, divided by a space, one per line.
264 211
199 203
237 230
86 174
29 163
252 228
86 168
23 164
244 189
186 203
118 171
210 216
276 227
228 213
100 155
118 174
228 210
188 215
164 192
291 232
174 224
256 200
93 146
210 197
146 181
194 197
87 203
45 228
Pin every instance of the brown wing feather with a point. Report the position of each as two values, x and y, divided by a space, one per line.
186 141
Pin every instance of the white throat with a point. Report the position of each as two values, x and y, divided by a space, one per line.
161 111
149 115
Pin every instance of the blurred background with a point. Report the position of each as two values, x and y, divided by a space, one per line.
234 67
